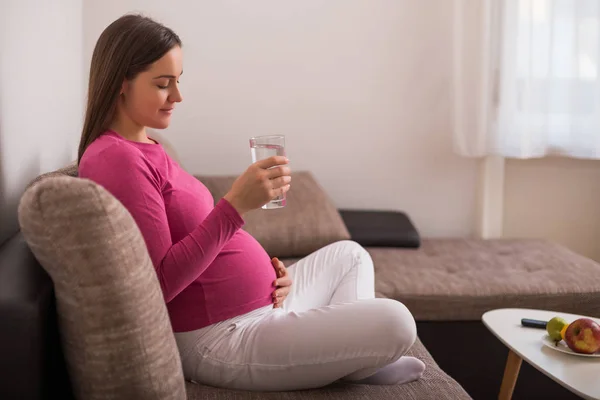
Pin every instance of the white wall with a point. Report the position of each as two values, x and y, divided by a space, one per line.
339 78
557 199
41 94
361 89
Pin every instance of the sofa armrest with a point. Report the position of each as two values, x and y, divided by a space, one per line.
372 228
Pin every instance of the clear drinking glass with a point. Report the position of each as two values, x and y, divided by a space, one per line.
267 146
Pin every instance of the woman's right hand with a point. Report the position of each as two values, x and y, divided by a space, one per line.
262 182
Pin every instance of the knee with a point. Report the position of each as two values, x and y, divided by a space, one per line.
399 324
356 250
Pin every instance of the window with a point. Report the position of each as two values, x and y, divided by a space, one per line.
549 77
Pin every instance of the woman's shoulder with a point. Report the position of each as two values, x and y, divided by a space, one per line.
110 155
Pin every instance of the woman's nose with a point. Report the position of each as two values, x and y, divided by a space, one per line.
175 96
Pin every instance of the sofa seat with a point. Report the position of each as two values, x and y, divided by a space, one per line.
460 279
435 384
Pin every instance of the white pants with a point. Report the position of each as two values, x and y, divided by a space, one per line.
330 327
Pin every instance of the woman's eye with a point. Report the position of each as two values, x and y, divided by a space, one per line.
162 87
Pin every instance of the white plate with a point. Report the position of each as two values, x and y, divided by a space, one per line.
562 347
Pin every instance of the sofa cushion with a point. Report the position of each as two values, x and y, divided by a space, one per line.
308 222
460 279
435 384
381 228
114 325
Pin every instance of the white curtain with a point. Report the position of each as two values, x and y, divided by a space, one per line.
527 78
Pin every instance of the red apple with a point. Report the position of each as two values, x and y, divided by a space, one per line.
583 336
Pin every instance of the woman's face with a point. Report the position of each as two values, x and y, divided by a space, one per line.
149 98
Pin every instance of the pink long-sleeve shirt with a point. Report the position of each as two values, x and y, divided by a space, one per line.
209 269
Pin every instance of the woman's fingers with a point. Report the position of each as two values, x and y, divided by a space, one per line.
280 191
279 171
279 267
283 282
271 163
281 181
280 186
282 292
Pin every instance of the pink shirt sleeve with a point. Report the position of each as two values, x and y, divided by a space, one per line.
134 182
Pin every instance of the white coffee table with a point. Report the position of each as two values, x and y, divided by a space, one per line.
581 375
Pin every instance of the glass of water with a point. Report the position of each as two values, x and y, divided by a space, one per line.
263 147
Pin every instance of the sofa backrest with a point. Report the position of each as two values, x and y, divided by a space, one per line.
32 364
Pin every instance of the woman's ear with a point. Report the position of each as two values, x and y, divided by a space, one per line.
124 86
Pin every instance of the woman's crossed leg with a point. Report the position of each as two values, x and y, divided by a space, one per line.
331 327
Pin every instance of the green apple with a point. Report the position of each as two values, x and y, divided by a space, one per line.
554 326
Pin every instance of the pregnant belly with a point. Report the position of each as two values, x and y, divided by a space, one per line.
241 275
238 281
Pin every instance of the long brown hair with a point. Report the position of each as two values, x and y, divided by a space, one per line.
127 47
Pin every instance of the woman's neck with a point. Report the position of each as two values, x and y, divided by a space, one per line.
130 130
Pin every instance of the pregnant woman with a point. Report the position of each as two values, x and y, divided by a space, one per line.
238 320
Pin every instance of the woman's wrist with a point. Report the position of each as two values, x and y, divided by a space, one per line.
235 204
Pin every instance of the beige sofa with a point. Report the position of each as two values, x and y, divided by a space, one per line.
100 285
446 283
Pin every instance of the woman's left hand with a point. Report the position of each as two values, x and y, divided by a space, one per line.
283 283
